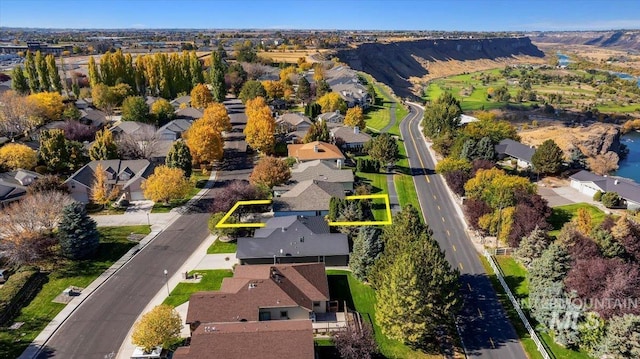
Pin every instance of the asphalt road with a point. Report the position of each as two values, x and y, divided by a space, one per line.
100 325
485 329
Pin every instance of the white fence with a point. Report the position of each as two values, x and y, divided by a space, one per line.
514 302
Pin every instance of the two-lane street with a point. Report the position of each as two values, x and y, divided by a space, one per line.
486 331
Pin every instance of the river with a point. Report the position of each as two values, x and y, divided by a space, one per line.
630 166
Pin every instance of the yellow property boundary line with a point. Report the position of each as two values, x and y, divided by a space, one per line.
222 223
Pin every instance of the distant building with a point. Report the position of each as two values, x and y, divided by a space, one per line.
35 46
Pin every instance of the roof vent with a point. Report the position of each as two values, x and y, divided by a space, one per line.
315 148
284 229
252 285
615 182
301 239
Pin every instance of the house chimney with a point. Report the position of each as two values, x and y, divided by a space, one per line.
283 229
339 164
615 182
315 148
356 130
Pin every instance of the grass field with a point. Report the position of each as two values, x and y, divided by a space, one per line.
516 277
378 182
37 314
222 247
563 214
362 298
211 280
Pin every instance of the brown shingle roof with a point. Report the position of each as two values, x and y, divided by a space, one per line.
307 151
278 339
260 286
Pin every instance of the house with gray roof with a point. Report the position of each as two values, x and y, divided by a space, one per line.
521 153
318 171
293 125
130 128
181 100
13 185
294 239
189 113
174 129
307 198
349 138
331 118
126 175
94 118
589 183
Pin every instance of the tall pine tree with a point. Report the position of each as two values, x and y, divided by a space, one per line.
216 77
18 81
77 233
367 247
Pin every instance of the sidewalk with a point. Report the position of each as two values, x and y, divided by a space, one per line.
198 260
156 228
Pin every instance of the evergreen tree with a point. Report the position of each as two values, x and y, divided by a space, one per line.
322 88
43 72
622 339
318 131
532 246
384 149
252 89
54 75
312 110
485 149
418 293
18 81
469 150
195 68
547 159
77 233
32 72
104 147
367 247
180 157
304 90
216 77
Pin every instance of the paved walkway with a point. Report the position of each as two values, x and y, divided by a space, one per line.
117 220
391 188
392 118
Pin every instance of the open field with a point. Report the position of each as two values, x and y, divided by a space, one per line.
41 310
291 56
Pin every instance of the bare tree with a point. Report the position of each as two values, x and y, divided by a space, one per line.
16 114
603 164
141 144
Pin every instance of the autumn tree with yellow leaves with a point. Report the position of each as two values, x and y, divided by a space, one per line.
204 141
201 97
166 184
218 117
355 117
161 326
331 102
17 155
270 171
261 125
101 192
47 105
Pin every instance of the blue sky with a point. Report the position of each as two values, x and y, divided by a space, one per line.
466 15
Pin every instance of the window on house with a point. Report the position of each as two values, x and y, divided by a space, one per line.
316 304
284 314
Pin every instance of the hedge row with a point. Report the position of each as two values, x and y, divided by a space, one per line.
18 291
367 165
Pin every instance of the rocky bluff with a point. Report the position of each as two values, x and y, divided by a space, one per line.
394 63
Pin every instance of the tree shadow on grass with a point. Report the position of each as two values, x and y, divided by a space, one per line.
559 217
339 289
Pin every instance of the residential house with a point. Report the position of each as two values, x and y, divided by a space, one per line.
332 118
350 138
345 81
189 113
181 100
294 125
174 129
307 198
294 239
319 171
521 153
265 309
589 183
94 118
126 175
13 185
150 100
82 104
278 104
132 128
316 150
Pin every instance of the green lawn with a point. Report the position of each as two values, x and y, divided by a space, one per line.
516 277
211 280
563 214
198 179
377 117
37 314
378 182
222 247
361 297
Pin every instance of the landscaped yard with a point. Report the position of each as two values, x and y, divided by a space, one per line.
222 247
361 297
516 277
211 280
198 179
113 245
378 182
563 214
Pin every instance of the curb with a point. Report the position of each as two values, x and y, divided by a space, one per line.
36 346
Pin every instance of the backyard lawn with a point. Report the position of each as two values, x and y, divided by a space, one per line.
222 247
563 214
361 297
41 310
378 183
211 280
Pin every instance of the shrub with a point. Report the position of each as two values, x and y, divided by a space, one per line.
597 196
610 199
15 292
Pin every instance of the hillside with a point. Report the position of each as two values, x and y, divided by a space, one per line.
622 40
402 64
